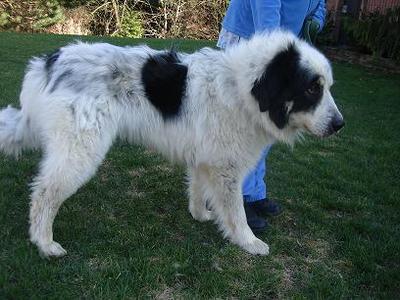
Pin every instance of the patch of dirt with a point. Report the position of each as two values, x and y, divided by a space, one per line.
166 293
134 192
318 249
99 264
165 168
137 172
290 268
340 54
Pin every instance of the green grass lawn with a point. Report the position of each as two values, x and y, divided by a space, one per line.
129 234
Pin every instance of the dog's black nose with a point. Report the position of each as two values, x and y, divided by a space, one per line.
337 123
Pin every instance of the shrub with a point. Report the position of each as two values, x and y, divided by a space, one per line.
326 36
131 18
377 32
183 18
4 18
131 25
31 15
48 13
117 18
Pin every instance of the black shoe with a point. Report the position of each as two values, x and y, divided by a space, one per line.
256 223
267 207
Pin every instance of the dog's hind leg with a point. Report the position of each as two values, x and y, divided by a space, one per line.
228 209
67 165
197 195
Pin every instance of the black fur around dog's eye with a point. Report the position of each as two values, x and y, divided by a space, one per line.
314 88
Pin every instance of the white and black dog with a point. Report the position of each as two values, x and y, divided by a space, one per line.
212 110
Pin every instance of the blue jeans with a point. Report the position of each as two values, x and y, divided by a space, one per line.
254 187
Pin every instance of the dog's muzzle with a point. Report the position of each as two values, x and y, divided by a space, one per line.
335 125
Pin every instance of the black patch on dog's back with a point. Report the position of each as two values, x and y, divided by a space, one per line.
164 80
284 81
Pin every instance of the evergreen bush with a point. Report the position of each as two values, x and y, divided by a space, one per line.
131 25
377 32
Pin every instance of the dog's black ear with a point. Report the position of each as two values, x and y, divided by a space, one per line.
274 87
260 91
279 115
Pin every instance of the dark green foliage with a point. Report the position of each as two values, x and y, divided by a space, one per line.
326 35
49 12
129 234
377 32
127 18
131 25
33 15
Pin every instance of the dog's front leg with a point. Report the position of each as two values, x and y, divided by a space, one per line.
197 177
229 212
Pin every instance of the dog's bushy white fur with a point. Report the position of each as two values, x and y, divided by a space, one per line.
95 94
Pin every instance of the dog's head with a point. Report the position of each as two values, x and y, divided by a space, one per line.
293 89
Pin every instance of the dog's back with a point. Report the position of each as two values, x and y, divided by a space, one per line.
76 81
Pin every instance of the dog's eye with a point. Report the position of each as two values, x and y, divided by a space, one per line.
314 88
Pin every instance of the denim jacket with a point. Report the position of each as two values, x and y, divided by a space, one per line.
245 17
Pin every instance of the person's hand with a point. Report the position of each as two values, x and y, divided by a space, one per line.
310 30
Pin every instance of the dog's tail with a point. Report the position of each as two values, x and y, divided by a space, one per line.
17 129
15 132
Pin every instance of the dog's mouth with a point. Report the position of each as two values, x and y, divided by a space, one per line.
327 132
335 126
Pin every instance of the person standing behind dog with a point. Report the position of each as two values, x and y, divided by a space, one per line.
244 18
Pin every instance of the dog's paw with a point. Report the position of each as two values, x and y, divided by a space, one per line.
52 249
257 247
203 216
